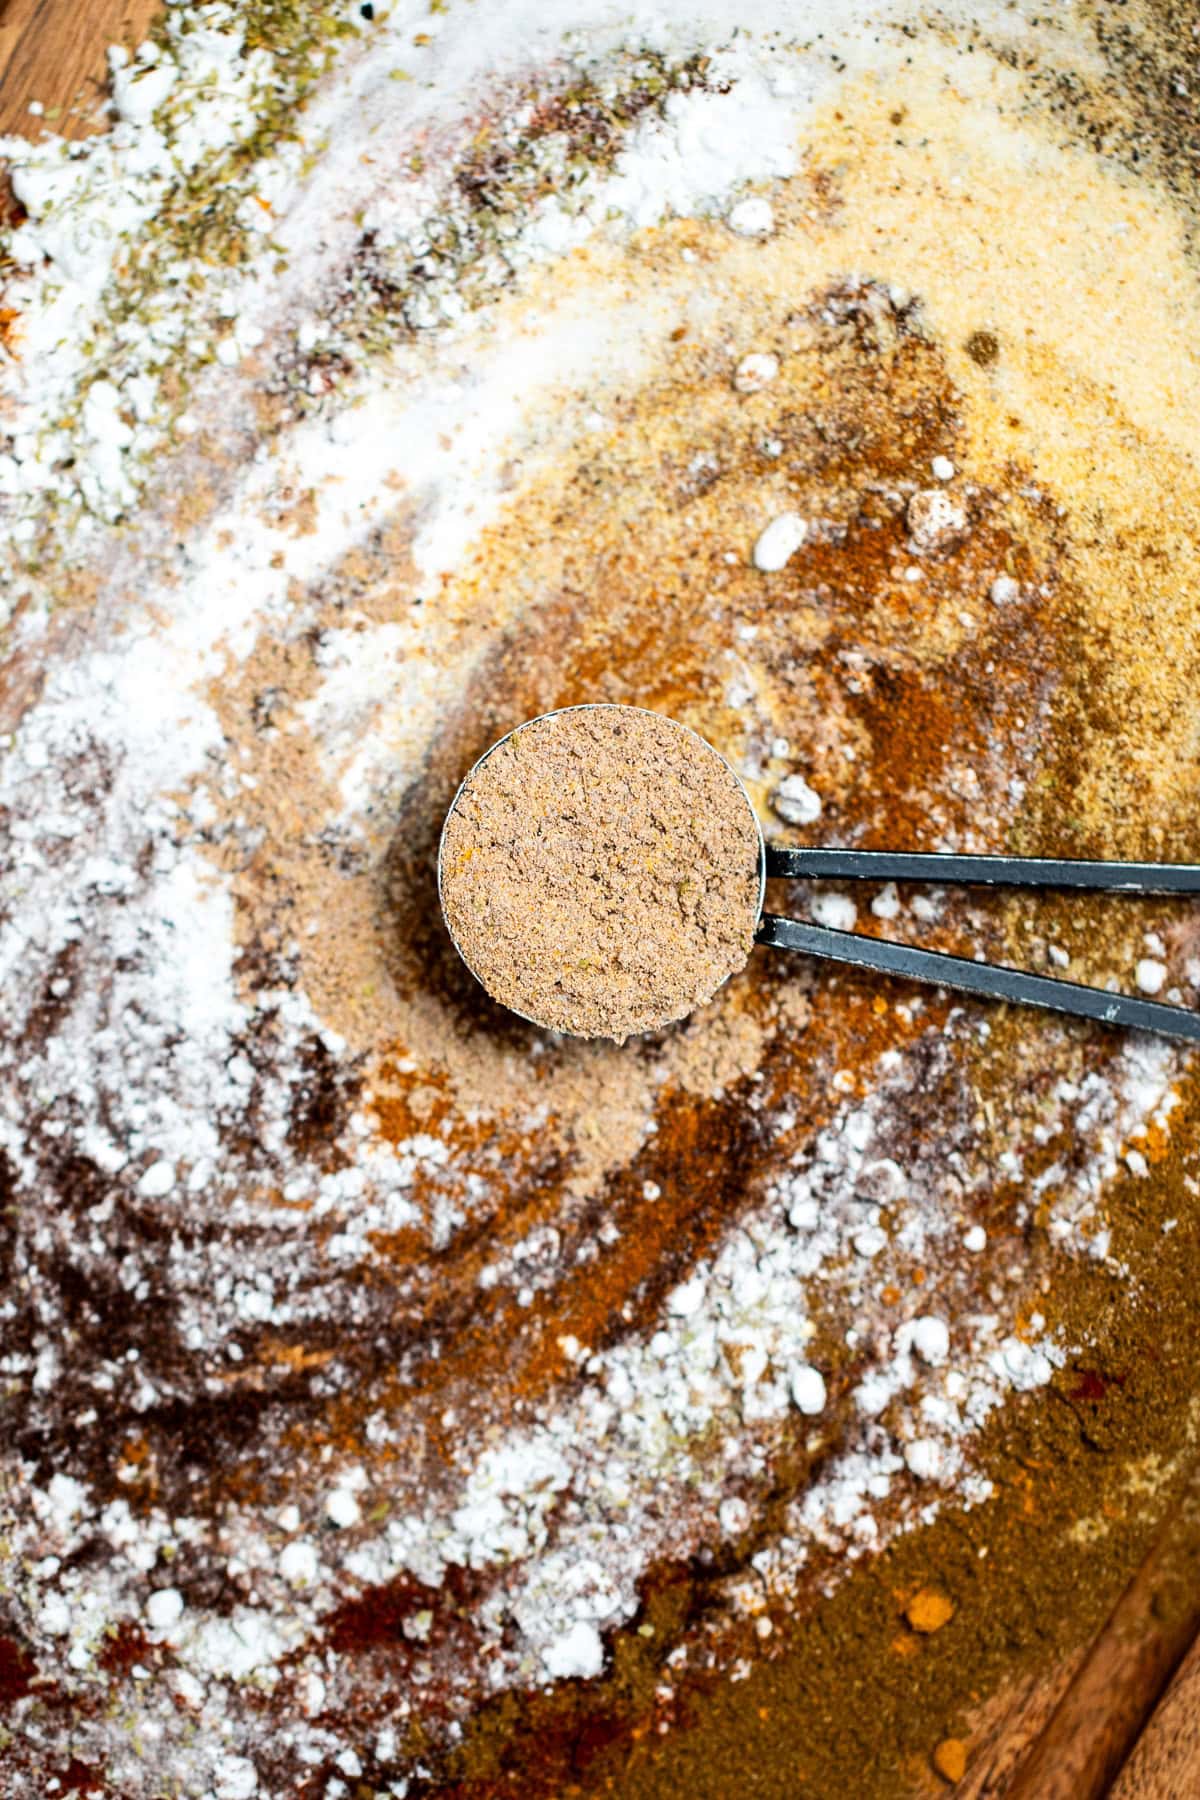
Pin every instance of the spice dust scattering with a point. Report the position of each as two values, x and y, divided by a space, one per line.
600 871
402 1399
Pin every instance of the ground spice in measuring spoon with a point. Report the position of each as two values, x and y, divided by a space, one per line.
600 871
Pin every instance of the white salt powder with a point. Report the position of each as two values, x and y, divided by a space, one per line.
342 1508
298 1561
795 801
578 1653
755 372
935 519
838 911
752 218
807 1387
779 542
164 1608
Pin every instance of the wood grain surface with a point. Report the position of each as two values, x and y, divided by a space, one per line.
1007 1725
1073 1732
1165 1764
1096 1724
53 51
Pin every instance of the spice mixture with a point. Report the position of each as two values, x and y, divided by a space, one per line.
400 1399
599 871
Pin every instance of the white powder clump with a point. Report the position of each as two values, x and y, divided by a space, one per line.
870 1241
579 1652
687 1299
804 1214
752 218
942 468
795 801
138 92
975 1239
838 911
235 1778
1150 975
1004 590
886 904
1024 1366
883 1180
930 1339
164 1608
924 1457
734 1515
755 372
807 1387
934 519
343 1508
779 542
158 1180
298 1562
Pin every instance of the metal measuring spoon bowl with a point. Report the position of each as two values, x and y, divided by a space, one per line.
601 870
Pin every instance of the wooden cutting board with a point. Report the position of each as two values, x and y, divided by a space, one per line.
52 52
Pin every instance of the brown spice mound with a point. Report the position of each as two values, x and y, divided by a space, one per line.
600 871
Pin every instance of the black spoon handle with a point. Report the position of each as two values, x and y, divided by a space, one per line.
992 979
986 871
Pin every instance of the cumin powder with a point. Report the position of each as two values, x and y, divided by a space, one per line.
599 871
